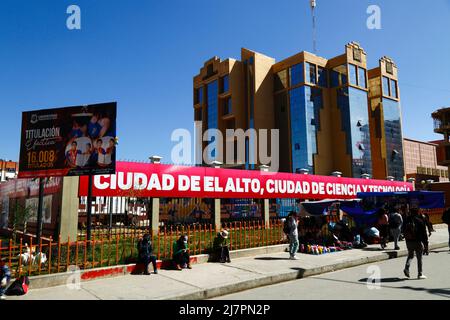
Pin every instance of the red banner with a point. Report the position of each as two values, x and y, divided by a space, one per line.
158 180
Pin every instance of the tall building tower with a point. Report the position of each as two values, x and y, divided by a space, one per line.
235 94
385 121
332 115
349 111
302 114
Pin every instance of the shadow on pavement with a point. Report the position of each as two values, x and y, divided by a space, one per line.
384 280
270 258
443 292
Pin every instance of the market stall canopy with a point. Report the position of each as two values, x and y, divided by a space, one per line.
318 208
423 199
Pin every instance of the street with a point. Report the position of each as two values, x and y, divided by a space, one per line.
352 283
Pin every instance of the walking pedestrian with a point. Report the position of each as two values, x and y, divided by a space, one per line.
395 226
383 227
145 250
416 241
446 220
291 230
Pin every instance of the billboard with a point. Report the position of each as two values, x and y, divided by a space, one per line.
71 141
158 180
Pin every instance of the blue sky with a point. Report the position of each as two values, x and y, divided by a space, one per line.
143 54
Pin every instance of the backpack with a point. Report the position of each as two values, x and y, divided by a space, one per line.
446 216
410 231
18 287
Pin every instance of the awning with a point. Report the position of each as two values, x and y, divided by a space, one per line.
318 208
423 199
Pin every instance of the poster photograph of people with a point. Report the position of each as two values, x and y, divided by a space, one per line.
70 141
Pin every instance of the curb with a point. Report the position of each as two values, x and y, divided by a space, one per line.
58 279
293 275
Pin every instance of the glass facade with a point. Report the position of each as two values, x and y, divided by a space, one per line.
305 104
212 100
296 74
227 106
362 82
386 91
352 74
394 89
394 139
310 73
198 96
225 84
352 103
323 77
339 76
281 80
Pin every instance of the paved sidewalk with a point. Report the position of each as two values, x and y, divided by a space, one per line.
212 279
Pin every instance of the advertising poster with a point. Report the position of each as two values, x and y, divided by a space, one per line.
71 141
33 203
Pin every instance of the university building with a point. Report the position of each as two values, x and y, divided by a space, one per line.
333 114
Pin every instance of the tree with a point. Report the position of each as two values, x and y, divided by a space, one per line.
20 217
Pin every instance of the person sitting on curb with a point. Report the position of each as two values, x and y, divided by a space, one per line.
5 277
145 251
181 256
221 247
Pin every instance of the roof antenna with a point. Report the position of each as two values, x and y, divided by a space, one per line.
313 7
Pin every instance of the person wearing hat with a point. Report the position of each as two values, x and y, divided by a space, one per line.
221 247
181 256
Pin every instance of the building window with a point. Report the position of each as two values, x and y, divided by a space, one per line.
362 77
227 106
311 73
394 89
198 96
386 91
352 74
296 74
339 76
281 80
323 76
224 84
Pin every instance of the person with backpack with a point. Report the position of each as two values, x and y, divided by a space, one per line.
5 277
145 252
416 241
291 230
446 220
395 227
